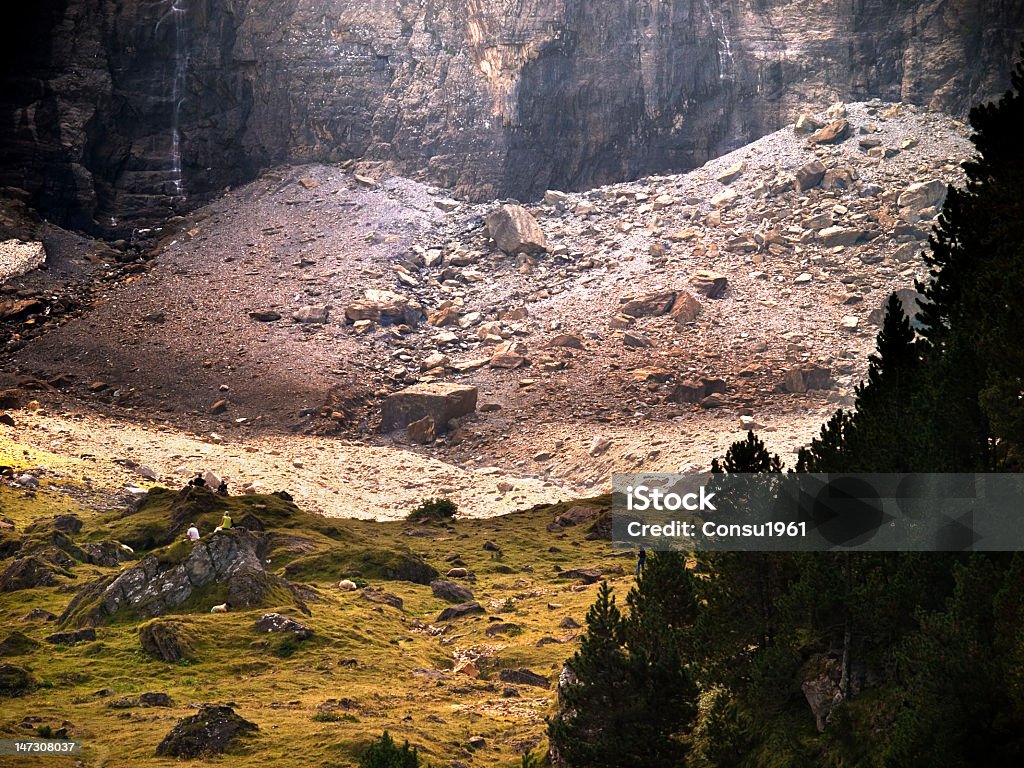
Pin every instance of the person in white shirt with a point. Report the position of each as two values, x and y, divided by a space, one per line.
193 533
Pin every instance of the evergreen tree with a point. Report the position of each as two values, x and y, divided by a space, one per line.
750 455
829 451
960 691
632 700
975 311
384 753
739 616
584 730
882 433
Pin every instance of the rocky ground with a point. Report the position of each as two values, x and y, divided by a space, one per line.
662 318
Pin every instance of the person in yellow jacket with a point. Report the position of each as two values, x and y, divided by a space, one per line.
225 523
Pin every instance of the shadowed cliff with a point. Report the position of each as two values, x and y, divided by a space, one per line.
119 113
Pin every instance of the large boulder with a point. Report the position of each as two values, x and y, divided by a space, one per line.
380 597
806 376
439 400
384 307
460 610
924 194
809 174
73 637
18 257
709 283
686 308
836 235
450 591
514 230
108 554
586 575
523 676
687 392
211 731
577 515
163 581
167 640
835 131
648 304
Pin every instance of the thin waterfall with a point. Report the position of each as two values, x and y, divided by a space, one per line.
175 14
726 62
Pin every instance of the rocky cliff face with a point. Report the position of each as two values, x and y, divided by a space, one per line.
118 111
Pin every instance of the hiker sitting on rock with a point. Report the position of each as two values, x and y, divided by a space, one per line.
225 523
192 534
222 489
222 608
198 481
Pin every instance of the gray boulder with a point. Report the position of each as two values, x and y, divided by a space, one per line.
211 731
382 598
450 591
523 676
27 573
461 610
74 637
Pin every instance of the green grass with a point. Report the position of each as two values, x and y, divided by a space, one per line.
401 679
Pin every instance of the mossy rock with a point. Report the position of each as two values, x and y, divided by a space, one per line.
168 640
211 731
10 545
164 515
14 681
71 524
17 644
28 573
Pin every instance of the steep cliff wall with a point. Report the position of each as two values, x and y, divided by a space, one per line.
118 110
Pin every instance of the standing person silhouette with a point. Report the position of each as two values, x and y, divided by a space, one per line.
641 561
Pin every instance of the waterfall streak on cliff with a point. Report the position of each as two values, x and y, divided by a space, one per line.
176 14
726 62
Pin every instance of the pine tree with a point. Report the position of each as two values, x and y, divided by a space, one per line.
882 433
974 315
829 452
384 753
583 732
632 700
739 616
751 455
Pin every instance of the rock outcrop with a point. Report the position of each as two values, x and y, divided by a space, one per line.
27 573
160 583
211 731
118 111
